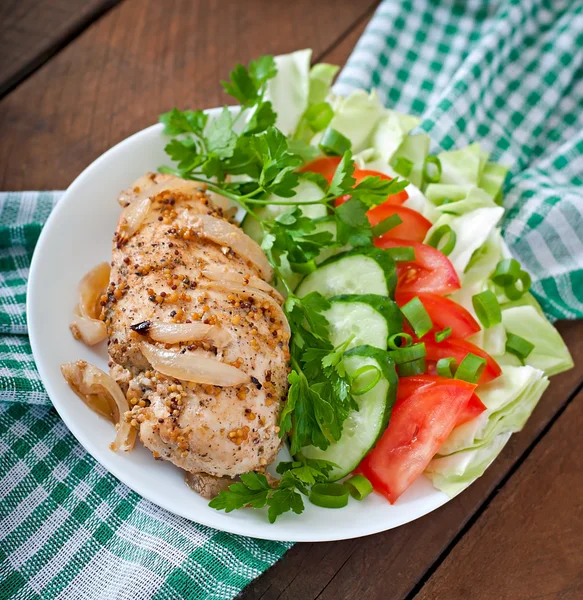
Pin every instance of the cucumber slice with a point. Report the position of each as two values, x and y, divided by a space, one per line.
367 270
306 191
363 428
369 318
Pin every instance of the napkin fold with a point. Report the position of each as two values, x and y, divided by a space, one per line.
507 73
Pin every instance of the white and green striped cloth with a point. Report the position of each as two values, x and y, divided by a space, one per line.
506 73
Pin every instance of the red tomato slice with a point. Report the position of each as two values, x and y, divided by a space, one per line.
473 408
444 313
326 166
431 271
426 411
459 349
414 226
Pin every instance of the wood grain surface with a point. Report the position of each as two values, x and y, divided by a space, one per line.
31 31
527 543
143 58
517 530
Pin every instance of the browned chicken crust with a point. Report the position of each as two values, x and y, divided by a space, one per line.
160 275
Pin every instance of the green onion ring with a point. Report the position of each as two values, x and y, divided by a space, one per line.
436 237
513 292
506 272
518 346
319 116
403 166
413 367
409 353
402 253
333 143
329 495
400 340
418 317
432 163
304 268
471 368
386 225
442 335
487 308
359 486
367 388
446 367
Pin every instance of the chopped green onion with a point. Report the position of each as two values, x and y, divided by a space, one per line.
487 308
413 367
418 317
471 368
329 495
443 334
446 367
400 340
359 391
432 169
386 225
333 143
358 486
319 116
506 272
403 355
403 166
518 346
438 235
513 292
402 253
304 268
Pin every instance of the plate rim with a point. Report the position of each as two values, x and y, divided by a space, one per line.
231 526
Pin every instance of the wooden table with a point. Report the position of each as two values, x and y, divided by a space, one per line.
77 76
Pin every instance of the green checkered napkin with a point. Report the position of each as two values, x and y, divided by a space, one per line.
508 74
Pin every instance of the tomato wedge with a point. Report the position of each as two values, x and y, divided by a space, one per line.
473 408
444 313
326 166
426 411
459 349
431 271
414 225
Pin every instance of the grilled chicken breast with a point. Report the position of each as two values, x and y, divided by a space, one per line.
210 403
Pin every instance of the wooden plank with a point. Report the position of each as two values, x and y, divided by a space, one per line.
389 565
527 543
31 31
143 58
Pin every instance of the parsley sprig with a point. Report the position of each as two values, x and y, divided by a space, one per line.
255 490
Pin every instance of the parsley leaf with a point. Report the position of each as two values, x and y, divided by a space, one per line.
221 139
373 190
352 224
246 84
187 121
343 181
262 118
253 490
284 500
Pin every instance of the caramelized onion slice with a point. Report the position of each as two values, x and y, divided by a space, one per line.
173 333
149 186
104 396
91 288
259 297
226 234
218 274
193 367
89 331
132 218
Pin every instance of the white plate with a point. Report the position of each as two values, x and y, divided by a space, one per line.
76 237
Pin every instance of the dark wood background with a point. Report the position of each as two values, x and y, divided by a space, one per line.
77 76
